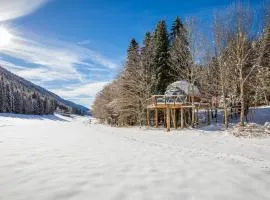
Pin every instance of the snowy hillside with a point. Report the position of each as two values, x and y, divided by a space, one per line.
18 95
54 157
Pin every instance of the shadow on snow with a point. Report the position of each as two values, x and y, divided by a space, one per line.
33 117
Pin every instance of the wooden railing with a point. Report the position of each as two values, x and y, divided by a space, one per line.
177 100
167 99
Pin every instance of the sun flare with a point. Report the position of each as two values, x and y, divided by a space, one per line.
5 37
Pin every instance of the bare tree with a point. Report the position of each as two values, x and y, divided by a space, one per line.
240 51
105 107
220 62
196 44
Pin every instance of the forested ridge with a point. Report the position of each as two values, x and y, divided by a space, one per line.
229 61
20 96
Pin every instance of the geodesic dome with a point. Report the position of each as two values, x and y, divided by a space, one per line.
182 88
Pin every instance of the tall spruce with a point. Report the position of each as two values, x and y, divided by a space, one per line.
179 50
128 89
146 79
161 58
147 62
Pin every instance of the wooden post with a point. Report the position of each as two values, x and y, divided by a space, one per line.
164 118
193 117
168 119
156 117
174 117
196 116
197 120
148 120
182 117
208 116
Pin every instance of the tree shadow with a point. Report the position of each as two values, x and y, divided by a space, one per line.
259 115
214 127
34 117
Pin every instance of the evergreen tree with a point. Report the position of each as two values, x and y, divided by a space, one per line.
47 106
147 62
129 91
161 58
18 103
178 30
9 101
24 109
179 50
39 106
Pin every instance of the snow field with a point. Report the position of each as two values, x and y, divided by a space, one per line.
62 158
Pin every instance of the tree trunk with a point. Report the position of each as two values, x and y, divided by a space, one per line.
182 118
242 114
193 110
156 117
226 117
168 116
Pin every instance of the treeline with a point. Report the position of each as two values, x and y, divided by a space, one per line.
16 99
22 97
229 62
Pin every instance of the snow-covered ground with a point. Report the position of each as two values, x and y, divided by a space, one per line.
53 157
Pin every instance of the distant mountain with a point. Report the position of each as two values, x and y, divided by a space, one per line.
18 95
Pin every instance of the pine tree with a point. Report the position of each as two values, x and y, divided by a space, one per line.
147 62
18 103
129 86
24 109
46 106
180 55
161 58
39 107
178 30
29 105
9 101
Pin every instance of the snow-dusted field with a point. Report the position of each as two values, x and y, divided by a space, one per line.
46 158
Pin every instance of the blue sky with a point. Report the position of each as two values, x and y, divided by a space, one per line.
75 47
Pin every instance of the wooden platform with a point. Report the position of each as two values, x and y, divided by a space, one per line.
171 104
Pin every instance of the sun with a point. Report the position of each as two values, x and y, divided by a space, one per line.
5 37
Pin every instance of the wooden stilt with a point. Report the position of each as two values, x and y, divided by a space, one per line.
197 120
179 118
208 116
168 119
182 118
193 117
148 120
164 118
156 117
174 117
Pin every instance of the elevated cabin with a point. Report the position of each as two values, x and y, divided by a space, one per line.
179 100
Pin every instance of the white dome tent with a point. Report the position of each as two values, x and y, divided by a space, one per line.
182 88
